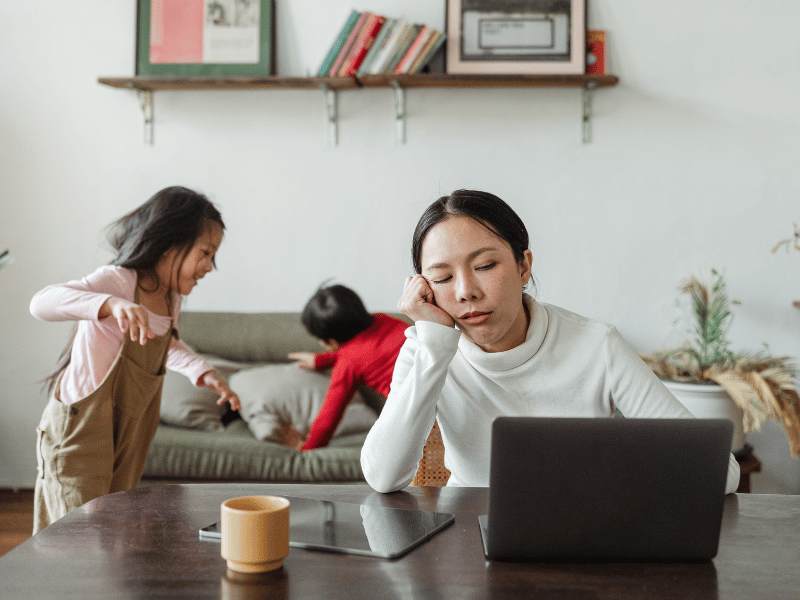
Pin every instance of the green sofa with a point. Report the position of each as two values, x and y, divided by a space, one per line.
222 448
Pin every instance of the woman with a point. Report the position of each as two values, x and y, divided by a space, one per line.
481 348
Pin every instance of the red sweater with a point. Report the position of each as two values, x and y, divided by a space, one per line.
366 359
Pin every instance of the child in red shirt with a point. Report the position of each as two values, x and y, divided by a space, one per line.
362 349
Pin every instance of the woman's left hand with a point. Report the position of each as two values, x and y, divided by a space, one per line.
211 379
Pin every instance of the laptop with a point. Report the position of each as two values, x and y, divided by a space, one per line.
606 489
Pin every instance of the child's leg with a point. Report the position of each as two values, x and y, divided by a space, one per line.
75 457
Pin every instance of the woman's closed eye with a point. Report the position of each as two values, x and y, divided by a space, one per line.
443 280
486 267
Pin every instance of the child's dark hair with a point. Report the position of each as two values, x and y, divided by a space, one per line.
174 217
482 207
335 312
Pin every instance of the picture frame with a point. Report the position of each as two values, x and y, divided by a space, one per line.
205 38
516 36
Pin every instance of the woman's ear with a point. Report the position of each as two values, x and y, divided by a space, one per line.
525 266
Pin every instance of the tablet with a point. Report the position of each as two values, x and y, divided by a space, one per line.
354 528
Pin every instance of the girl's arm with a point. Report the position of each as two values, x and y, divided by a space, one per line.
82 299
394 444
638 393
185 361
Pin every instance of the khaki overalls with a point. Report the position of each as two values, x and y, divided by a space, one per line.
98 444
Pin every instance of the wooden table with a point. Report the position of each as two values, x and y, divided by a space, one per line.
144 544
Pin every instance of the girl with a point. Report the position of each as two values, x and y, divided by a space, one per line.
481 348
105 395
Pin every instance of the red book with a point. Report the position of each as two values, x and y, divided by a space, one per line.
334 72
362 45
413 50
596 52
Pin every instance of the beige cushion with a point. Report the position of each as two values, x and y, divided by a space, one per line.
283 393
184 405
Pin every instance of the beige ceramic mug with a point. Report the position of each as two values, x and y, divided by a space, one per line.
255 533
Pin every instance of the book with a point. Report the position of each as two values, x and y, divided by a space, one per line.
413 50
596 52
362 45
377 46
402 47
325 68
383 57
428 50
337 64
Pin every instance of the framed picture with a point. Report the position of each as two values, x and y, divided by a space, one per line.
516 36
184 38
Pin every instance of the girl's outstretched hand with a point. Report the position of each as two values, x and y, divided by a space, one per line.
419 304
130 317
211 379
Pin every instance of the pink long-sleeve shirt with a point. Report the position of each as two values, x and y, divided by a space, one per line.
98 341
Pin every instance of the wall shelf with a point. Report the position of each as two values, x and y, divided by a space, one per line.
146 85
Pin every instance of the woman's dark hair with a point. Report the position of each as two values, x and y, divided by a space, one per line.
483 207
335 313
174 217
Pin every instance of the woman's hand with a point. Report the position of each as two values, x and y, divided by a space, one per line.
305 360
211 379
129 316
419 304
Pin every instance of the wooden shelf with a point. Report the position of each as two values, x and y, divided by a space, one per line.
146 85
433 80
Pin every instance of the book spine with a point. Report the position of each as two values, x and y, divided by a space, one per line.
360 50
413 50
377 46
391 43
337 64
437 43
337 44
402 47
423 52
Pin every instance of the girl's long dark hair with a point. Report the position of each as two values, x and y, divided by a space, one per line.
173 218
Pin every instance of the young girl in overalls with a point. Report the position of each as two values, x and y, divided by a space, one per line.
105 396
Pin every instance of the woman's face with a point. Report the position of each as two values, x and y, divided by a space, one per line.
476 279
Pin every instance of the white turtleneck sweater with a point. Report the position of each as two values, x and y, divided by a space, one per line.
568 366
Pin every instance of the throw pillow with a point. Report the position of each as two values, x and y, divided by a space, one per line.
184 405
273 395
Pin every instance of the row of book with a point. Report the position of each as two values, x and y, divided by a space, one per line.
371 44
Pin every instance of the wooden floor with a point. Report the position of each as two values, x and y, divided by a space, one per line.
16 518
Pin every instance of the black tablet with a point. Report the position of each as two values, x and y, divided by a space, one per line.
348 528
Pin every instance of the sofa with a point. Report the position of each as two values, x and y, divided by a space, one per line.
199 441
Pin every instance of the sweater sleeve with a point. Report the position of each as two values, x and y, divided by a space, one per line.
182 359
638 393
81 299
340 392
393 448
324 360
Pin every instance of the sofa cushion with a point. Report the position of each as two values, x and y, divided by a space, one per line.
233 454
274 395
184 405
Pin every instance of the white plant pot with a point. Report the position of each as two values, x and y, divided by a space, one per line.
710 401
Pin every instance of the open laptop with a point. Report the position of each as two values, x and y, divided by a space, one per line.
606 489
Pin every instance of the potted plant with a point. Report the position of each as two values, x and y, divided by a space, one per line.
714 382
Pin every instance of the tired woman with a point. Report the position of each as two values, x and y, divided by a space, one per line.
482 347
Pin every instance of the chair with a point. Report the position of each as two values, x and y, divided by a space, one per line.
431 470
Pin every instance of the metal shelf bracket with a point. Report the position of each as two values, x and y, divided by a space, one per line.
332 124
399 114
146 102
587 111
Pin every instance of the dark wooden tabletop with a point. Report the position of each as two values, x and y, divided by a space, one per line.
144 544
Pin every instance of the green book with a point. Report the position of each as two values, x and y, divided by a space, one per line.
337 45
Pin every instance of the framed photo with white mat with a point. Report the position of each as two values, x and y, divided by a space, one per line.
516 36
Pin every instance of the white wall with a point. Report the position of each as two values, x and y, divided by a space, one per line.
693 164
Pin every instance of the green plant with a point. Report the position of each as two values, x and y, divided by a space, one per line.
5 258
761 385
